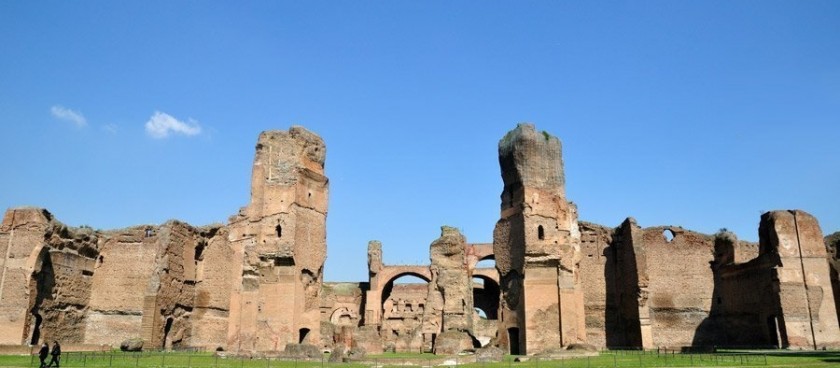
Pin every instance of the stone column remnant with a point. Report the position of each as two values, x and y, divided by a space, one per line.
281 242
372 310
537 246
450 298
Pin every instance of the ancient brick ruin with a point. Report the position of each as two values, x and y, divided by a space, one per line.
256 284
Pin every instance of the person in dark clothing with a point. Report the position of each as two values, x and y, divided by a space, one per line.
56 354
42 354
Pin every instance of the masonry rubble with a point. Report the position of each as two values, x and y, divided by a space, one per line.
255 284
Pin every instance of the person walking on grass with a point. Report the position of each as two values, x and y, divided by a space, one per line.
56 354
42 354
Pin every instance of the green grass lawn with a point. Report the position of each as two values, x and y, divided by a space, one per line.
603 360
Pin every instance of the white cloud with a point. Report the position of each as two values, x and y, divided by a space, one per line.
63 113
161 125
110 128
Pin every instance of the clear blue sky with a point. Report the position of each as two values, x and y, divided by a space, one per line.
694 113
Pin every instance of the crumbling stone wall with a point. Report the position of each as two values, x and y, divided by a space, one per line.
628 288
177 289
595 268
450 293
745 306
342 302
122 274
214 275
46 277
341 306
681 283
82 286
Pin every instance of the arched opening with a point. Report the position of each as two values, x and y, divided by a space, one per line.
404 284
302 333
36 329
279 230
480 312
513 340
166 329
540 232
487 262
41 291
344 317
486 295
668 234
403 303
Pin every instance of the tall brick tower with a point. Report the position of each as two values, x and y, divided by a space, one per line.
537 246
281 240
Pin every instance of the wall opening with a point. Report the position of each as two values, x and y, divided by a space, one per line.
541 232
486 295
36 329
402 306
773 332
166 329
279 230
302 333
513 340
41 288
405 288
199 251
481 313
668 234
488 262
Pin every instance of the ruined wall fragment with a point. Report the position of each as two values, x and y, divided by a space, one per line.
745 301
537 236
341 306
212 257
372 310
46 277
596 267
280 240
808 315
632 325
681 283
450 293
166 284
120 280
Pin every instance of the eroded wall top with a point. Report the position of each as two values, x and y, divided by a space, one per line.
530 159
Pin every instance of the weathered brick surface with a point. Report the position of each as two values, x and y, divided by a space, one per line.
537 236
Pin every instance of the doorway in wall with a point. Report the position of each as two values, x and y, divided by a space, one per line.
513 340
166 329
302 335
36 329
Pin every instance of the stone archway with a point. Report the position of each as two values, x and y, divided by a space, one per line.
343 316
403 306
